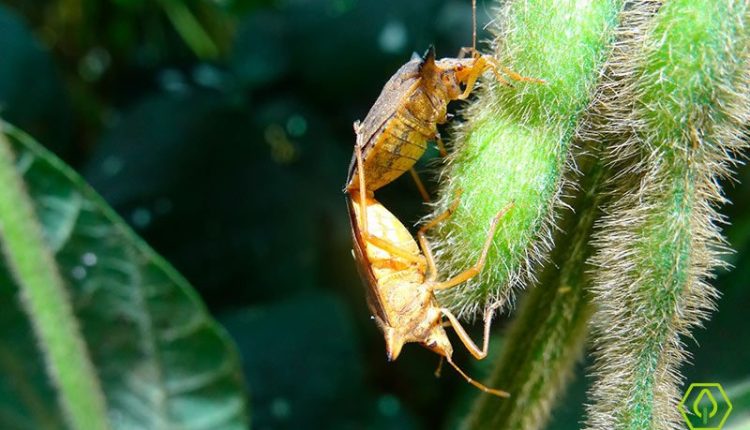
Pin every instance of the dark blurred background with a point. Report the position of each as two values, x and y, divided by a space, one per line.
221 131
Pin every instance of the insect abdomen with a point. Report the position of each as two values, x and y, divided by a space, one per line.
402 140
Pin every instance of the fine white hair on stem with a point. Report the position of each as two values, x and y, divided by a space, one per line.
673 128
516 145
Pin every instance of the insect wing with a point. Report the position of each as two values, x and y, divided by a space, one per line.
400 86
374 301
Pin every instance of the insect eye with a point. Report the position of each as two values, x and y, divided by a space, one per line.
459 68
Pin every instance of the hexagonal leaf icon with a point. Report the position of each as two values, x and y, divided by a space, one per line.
705 406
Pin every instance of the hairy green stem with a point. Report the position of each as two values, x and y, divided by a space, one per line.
515 144
46 302
678 105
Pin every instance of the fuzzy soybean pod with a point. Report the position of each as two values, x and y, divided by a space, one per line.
515 144
678 110
546 336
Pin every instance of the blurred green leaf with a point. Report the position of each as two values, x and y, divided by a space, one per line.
161 360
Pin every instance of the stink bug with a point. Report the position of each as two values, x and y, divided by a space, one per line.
401 281
412 103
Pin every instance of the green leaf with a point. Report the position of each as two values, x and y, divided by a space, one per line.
159 359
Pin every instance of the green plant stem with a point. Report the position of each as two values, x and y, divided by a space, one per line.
678 117
190 29
546 337
45 300
516 142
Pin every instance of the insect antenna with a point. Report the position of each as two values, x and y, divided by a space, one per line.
439 369
474 25
486 389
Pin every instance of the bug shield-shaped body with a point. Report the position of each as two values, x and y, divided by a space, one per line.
395 132
400 298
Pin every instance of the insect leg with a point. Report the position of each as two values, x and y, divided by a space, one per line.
393 249
464 336
481 64
473 349
476 268
516 77
492 63
380 243
440 145
419 125
420 185
361 177
425 245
